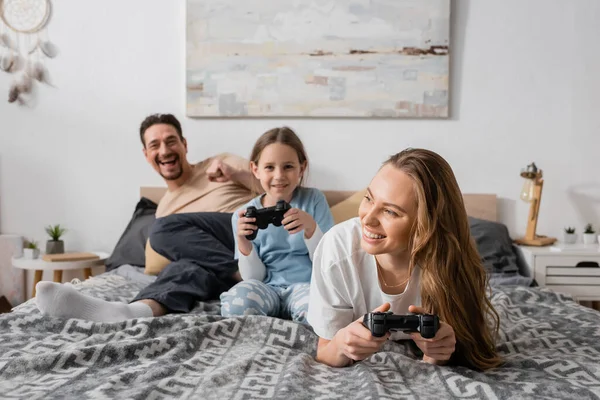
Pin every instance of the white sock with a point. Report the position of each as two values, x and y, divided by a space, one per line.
63 301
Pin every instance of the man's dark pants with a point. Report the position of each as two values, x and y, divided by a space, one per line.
200 248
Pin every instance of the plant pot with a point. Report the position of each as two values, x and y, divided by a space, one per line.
569 238
589 238
31 254
55 247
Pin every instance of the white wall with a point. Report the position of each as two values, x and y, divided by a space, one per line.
525 85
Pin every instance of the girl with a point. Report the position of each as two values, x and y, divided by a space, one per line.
409 251
277 265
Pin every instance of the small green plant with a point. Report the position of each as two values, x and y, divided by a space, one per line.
31 244
589 229
55 232
570 230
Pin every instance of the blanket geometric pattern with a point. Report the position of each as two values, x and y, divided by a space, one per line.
551 346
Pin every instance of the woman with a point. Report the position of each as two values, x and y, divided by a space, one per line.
409 251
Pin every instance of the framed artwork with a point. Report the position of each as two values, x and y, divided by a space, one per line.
326 58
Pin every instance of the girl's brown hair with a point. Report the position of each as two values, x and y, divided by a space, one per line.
454 283
283 135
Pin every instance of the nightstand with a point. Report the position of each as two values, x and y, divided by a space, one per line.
574 270
39 266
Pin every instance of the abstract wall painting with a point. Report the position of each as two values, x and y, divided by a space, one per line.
318 58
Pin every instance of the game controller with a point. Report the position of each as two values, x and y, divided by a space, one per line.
265 216
379 323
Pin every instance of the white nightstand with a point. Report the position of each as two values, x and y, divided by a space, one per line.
575 271
39 266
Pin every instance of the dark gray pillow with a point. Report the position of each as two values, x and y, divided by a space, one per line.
131 247
494 245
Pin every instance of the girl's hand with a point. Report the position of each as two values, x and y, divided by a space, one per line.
355 342
296 220
245 226
438 349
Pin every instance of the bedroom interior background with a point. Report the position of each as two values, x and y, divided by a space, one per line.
503 107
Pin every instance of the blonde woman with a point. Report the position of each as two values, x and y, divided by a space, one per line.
409 251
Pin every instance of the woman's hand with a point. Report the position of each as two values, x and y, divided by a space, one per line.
352 343
296 220
245 226
438 349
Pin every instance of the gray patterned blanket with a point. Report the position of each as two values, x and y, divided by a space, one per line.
550 343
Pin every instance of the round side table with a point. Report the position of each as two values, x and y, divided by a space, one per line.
39 266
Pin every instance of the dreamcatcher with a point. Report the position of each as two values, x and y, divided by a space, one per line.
24 45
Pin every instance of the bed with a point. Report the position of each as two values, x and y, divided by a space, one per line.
550 344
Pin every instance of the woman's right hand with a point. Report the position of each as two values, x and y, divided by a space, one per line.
353 343
245 226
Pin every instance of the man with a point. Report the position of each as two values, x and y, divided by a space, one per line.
192 232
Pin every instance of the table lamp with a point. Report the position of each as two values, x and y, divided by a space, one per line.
532 193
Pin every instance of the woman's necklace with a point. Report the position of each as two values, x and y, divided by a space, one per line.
380 270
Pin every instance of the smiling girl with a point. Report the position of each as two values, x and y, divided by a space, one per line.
409 251
276 266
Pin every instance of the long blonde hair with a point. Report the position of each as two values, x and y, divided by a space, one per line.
454 283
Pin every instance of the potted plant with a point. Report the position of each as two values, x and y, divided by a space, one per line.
569 235
589 234
31 251
55 245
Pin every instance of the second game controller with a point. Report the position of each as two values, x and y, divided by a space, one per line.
379 323
265 216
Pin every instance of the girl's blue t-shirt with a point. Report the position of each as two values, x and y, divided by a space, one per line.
285 255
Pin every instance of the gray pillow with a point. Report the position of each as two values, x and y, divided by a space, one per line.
494 245
131 247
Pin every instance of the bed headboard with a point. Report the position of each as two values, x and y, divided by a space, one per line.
481 206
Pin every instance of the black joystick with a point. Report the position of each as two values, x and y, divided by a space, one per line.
265 216
379 323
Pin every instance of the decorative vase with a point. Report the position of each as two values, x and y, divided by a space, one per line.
569 238
55 247
589 238
31 254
